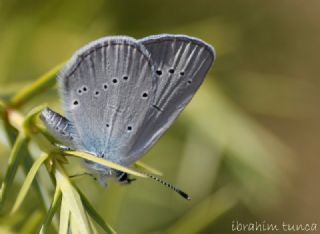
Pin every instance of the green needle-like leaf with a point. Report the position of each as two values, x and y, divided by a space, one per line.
74 228
14 159
73 201
10 131
28 123
148 168
31 224
93 228
52 210
103 162
40 190
95 215
28 181
64 218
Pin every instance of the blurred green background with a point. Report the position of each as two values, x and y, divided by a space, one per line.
247 146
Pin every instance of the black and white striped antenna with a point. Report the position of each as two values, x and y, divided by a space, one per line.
170 186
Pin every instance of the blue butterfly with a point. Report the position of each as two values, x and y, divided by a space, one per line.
121 94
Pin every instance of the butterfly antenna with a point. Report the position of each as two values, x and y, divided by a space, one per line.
170 186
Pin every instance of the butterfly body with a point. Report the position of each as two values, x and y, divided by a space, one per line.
121 94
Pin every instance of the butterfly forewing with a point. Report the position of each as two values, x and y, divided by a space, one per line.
108 88
181 64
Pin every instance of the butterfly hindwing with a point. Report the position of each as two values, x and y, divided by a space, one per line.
181 64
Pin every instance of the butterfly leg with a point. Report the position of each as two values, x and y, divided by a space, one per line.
82 174
58 126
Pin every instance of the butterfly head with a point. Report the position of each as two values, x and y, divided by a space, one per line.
105 173
123 178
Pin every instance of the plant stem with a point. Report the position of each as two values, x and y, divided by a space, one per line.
19 146
44 82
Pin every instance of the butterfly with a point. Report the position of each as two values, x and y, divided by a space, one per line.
120 95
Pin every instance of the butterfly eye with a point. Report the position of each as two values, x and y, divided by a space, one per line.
159 72
129 128
182 73
189 81
114 80
171 70
107 125
75 103
125 78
